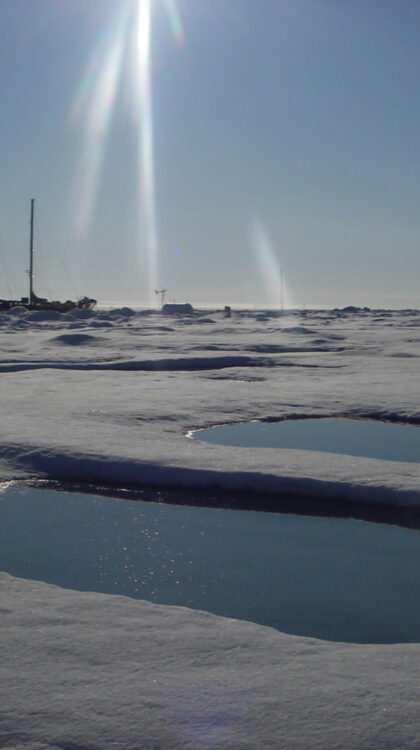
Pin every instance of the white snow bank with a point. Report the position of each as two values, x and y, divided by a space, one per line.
175 363
218 474
91 671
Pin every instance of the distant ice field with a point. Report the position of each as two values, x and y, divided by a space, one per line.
108 397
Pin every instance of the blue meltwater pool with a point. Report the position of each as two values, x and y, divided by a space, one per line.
354 437
332 578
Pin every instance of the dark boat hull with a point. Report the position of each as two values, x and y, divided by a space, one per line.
86 303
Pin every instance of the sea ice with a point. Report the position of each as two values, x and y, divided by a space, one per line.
87 671
115 407
96 671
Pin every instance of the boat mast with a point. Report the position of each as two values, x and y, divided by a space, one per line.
31 255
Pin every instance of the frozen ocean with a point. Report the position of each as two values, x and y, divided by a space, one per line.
106 402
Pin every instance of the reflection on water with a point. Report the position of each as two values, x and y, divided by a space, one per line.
354 437
331 578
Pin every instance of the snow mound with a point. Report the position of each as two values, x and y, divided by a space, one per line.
18 311
80 314
118 312
41 316
75 339
85 670
299 329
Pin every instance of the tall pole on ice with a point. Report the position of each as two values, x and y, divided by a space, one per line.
31 255
281 290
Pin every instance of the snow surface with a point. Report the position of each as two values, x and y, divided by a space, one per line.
108 397
85 671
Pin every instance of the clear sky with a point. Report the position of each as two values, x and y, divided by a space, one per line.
215 148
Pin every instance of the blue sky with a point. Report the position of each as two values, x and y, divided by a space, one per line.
285 144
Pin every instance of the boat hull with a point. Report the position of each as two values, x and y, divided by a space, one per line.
86 303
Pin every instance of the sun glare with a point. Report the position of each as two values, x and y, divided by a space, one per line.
175 21
92 110
124 50
145 155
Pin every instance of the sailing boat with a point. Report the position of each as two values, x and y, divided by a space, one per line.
33 302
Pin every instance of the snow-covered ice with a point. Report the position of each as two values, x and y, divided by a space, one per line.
108 397
90 671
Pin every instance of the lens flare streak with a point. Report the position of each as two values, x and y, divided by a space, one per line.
269 266
175 21
146 172
95 103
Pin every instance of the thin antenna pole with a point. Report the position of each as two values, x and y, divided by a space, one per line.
281 290
162 293
31 254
